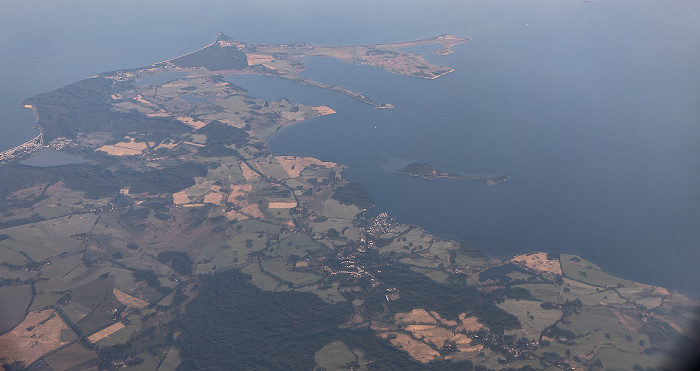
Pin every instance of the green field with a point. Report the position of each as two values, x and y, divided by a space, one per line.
75 312
330 294
233 252
337 356
14 301
123 335
72 355
263 281
43 300
531 326
591 326
544 292
336 223
334 209
171 361
280 269
271 169
229 171
435 274
585 271
255 226
11 256
150 363
295 244
48 238
421 261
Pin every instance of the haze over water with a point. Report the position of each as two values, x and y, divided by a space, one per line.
592 108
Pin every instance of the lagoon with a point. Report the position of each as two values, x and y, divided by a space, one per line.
47 157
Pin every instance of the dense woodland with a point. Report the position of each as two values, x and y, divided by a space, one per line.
232 324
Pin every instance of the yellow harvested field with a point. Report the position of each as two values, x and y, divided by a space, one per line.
99 335
462 342
160 113
189 121
442 320
539 262
180 198
233 214
119 151
124 148
430 333
213 198
253 211
129 300
294 165
139 98
199 138
239 191
28 192
167 145
281 205
175 85
416 316
248 174
254 59
115 96
469 324
37 335
419 351
324 110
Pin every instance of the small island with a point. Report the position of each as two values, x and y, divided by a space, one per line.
427 171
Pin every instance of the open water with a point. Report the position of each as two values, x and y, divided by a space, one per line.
593 109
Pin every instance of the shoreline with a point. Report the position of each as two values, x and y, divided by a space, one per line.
489 181
427 171
27 148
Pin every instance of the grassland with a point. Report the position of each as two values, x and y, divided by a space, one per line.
171 361
42 240
532 317
14 301
337 356
287 270
121 335
73 355
44 300
582 270
600 335
38 334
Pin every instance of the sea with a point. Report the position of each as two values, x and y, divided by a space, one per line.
591 107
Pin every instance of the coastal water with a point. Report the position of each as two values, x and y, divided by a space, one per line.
593 109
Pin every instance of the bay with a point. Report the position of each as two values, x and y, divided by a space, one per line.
592 108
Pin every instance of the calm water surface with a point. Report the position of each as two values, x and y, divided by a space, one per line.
47 157
593 109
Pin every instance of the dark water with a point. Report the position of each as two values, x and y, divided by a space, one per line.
48 157
593 109
499 273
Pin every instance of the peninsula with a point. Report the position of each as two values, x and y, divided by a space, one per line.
182 242
427 171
